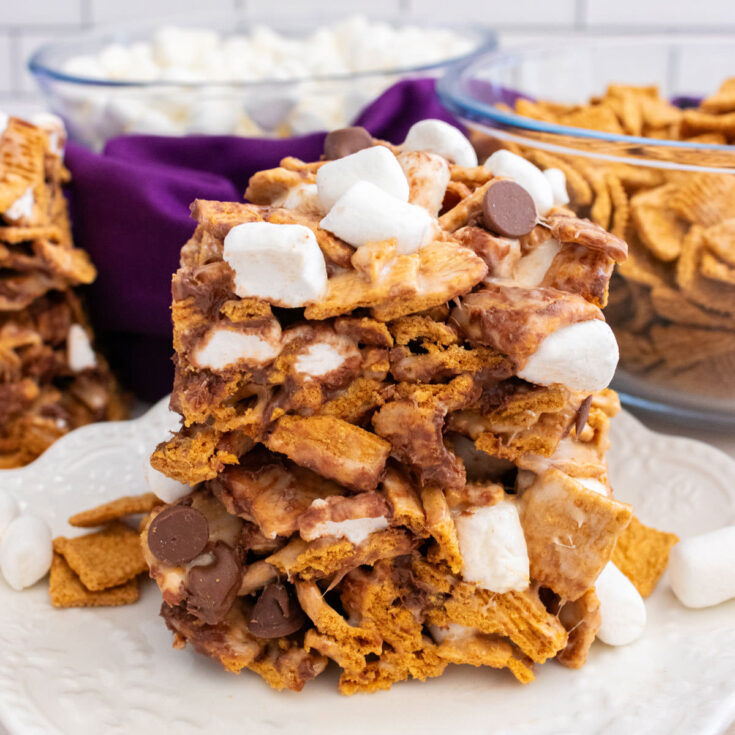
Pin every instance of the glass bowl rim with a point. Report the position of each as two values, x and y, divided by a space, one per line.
483 35
449 88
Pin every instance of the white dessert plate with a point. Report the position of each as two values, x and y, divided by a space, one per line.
113 671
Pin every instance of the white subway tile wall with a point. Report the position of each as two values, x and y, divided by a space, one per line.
26 24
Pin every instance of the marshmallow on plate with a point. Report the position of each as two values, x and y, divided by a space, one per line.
622 609
493 547
79 352
279 263
25 551
428 176
437 136
376 165
506 164
8 511
582 356
558 181
702 568
163 487
367 214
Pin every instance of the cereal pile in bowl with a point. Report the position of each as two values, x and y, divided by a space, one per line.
672 302
392 369
51 378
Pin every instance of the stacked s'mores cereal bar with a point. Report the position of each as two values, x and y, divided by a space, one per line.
392 370
51 379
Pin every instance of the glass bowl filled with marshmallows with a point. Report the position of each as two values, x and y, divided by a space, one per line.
638 133
239 74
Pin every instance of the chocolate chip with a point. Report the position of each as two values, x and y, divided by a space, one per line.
343 142
276 613
213 588
583 413
178 534
508 209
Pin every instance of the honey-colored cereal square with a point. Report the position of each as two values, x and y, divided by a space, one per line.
119 508
66 590
106 558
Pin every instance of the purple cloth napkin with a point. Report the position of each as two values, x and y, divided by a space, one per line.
130 211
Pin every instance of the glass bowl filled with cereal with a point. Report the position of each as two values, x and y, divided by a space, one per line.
641 134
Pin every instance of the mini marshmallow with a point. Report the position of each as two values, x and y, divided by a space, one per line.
376 165
163 487
8 511
532 268
437 136
228 347
622 609
80 354
453 632
279 263
428 176
355 530
25 551
304 197
558 181
367 214
493 547
702 568
582 356
319 359
22 207
523 172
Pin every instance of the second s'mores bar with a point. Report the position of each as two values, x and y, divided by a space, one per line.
51 378
392 374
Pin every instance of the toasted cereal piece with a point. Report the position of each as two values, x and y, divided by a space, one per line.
104 559
327 556
126 506
642 554
330 446
720 240
22 148
596 117
721 101
565 555
66 590
567 228
637 352
659 227
467 209
620 204
519 616
270 187
714 269
440 525
406 329
705 199
478 649
404 501
697 121
642 267
670 304
583 271
712 295
582 620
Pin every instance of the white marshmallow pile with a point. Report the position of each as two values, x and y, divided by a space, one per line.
190 55
622 609
582 356
524 173
79 352
25 549
281 264
702 568
493 547
437 136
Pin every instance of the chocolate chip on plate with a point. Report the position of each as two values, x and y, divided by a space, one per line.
343 142
178 534
214 586
275 614
508 209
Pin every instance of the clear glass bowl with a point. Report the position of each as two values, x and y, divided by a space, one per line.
675 325
96 109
